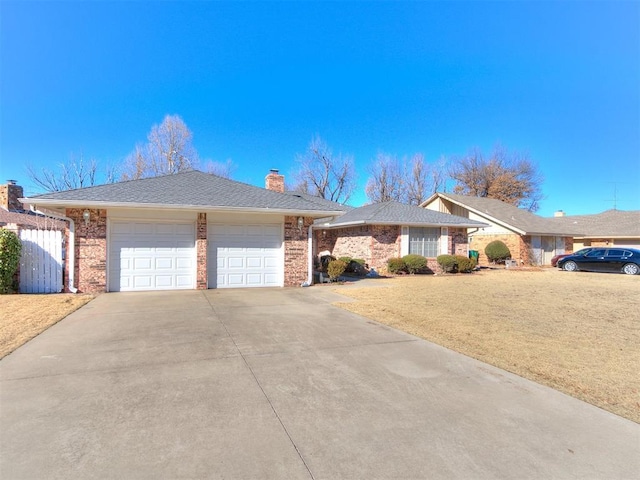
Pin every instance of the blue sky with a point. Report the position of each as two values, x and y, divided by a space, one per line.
255 81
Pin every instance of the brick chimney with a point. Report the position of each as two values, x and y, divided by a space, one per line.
9 195
274 181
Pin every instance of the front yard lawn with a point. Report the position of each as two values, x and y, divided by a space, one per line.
22 317
576 332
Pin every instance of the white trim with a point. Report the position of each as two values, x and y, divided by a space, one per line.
444 240
309 281
404 240
164 206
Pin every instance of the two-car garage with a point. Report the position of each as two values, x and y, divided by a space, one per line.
161 255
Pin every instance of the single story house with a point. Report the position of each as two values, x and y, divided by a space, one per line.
609 228
380 231
195 230
532 239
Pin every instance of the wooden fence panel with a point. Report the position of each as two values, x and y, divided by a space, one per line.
41 261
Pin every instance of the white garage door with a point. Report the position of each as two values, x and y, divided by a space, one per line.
151 256
245 255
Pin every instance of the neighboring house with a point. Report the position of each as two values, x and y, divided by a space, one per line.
613 227
14 217
381 231
532 240
186 231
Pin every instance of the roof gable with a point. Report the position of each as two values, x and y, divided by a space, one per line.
506 215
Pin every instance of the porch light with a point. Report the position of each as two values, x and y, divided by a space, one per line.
86 216
300 223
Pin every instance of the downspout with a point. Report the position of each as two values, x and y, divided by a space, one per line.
309 281
71 250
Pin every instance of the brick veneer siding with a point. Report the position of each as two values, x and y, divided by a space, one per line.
201 252
458 241
90 251
295 251
375 244
518 246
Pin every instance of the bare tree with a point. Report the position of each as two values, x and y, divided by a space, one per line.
510 177
409 181
76 173
386 180
422 179
221 169
168 150
323 175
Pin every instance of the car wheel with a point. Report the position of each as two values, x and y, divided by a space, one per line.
631 269
570 266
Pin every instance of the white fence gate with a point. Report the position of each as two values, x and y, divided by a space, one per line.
41 261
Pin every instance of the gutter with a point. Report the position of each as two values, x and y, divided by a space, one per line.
164 206
71 250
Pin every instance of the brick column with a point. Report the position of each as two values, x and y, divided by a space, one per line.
295 251
90 250
201 251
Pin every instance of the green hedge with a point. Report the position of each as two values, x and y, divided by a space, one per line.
414 263
10 249
335 269
497 251
396 265
456 263
447 263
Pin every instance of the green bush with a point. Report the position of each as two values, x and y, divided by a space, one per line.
497 251
447 263
346 260
10 248
396 265
335 269
414 263
465 264
359 260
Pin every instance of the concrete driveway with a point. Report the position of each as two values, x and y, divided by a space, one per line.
278 383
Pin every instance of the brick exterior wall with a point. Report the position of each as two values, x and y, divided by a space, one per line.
9 195
375 244
295 251
458 241
354 242
201 252
518 246
385 244
90 251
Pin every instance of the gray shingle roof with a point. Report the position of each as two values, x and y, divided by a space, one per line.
394 213
321 202
510 215
187 189
611 223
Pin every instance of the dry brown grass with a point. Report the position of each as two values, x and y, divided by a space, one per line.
576 332
22 317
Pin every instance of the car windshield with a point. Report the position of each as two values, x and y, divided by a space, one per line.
583 252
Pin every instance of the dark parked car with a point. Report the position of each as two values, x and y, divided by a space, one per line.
582 251
619 260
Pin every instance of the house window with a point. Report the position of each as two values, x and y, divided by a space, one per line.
424 241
